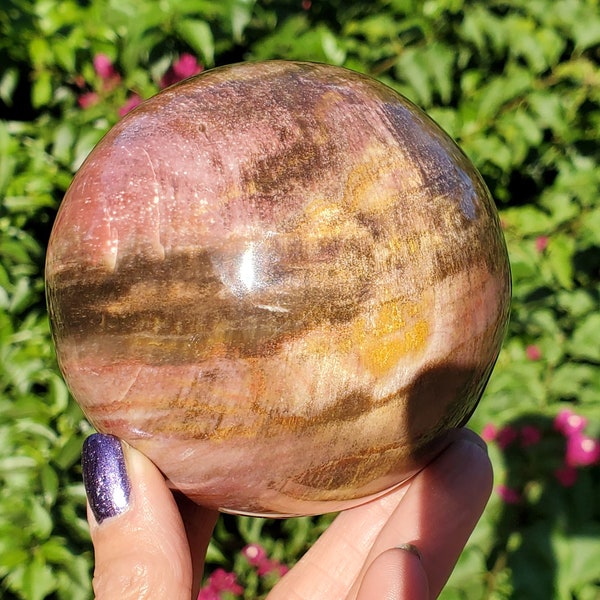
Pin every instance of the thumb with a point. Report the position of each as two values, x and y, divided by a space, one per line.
395 574
140 543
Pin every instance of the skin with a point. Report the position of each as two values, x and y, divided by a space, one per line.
145 552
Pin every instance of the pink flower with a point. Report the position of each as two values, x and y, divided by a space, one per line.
104 67
221 580
133 101
185 67
270 566
530 435
254 554
568 423
566 475
533 352
582 450
207 593
506 436
508 495
489 432
88 99
306 4
541 243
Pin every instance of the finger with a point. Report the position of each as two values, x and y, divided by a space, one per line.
441 508
199 523
140 543
335 565
396 574
330 568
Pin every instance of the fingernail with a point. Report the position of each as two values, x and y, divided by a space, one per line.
105 476
412 549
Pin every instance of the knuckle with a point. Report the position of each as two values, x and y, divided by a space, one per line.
137 578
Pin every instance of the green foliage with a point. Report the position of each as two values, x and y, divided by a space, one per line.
516 82
44 545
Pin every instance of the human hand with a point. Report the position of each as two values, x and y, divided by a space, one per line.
149 543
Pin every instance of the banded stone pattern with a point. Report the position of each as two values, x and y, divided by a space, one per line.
280 281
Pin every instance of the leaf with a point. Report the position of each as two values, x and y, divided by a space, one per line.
552 44
13 463
49 483
561 249
490 148
522 270
84 145
585 342
411 68
579 556
41 93
40 52
577 303
586 32
570 377
27 203
521 133
561 207
56 551
11 557
7 168
500 90
550 111
198 35
64 139
58 394
214 554
485 29
527 127
69 453
74 582
332 47
240 12
38 579
65 51
523 41
41 521
441 60
375 28
590 227
8 84
23 296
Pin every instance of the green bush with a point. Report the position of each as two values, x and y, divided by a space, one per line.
515 82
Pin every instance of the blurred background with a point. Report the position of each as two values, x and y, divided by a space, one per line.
515 82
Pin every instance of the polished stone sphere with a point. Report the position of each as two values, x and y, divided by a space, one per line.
280 281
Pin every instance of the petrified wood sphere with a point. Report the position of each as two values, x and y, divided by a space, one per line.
282 282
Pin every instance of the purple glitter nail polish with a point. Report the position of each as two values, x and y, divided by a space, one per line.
104 476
